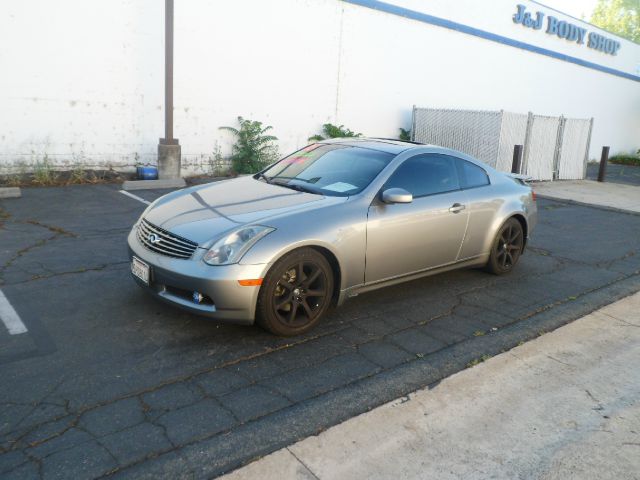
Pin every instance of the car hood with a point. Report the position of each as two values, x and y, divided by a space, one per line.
204 212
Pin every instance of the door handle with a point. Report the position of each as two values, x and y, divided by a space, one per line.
456 208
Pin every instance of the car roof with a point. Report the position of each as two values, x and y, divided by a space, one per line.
381 144
395 147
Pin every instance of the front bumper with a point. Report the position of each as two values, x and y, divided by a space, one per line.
174 280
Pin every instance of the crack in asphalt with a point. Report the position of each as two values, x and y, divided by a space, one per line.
51 228
57 232
139 393
49 273
146 409
35 405
24 251
98 268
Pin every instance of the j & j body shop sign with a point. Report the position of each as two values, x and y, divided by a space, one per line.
566 30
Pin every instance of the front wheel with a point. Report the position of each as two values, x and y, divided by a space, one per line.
507 248
296 293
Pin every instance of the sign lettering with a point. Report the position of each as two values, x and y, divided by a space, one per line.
565 30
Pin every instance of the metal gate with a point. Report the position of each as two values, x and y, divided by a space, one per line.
554 147
574 146
541 148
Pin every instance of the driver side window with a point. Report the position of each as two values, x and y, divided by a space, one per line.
427 174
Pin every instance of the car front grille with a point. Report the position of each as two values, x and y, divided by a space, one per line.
161 241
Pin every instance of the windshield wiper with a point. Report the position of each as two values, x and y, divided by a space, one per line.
300 179
263 176
293 186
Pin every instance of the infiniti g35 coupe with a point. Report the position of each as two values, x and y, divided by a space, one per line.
328 222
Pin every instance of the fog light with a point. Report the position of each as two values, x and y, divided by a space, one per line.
197 297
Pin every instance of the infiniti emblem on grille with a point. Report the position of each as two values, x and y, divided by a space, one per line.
154 239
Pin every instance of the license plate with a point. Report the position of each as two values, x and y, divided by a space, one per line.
140 270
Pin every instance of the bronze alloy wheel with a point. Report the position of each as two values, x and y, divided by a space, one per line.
296 293
507 247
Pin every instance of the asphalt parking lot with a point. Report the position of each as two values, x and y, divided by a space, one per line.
108 382
627 174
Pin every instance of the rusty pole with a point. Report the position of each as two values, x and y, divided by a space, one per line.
602 170
168 73
169 151
517 159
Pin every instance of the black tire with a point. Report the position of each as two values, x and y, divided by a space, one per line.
295 294
506 248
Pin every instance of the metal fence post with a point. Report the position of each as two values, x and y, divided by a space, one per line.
413 124
527 143
586 153
557 155
602 171
517 158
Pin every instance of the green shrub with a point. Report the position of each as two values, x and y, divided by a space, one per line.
332 131
625 159
253 149
405 135
43 173
78 174
218 167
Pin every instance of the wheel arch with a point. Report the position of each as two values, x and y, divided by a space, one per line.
331 257
499 221
525 227
335 268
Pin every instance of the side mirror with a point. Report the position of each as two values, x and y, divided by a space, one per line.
396 195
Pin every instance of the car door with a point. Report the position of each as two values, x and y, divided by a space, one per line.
482 206
404 238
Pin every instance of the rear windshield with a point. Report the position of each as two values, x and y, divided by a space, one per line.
335 170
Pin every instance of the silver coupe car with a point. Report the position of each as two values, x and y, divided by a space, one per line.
326 223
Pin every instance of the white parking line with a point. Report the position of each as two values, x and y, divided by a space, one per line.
9 317
135 197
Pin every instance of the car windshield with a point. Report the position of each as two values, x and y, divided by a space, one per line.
334 170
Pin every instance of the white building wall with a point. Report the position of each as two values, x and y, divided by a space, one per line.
82 80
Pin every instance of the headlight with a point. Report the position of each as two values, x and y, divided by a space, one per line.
231 248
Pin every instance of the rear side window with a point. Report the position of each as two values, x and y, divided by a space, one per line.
471 175
426 175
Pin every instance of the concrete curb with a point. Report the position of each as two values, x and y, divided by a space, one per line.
585 204
153 184
10 192
614 196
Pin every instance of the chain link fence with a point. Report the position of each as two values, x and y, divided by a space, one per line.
540 147
575 141
554 147
513 130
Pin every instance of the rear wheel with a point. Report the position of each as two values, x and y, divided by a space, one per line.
507 247
296 293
